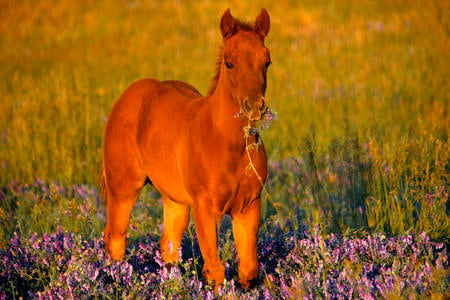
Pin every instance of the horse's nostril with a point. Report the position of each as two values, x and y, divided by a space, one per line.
246 106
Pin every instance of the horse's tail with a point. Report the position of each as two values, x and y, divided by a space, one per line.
102 182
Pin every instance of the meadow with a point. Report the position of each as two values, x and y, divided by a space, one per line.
357 195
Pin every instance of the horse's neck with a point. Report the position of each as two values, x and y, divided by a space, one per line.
227 117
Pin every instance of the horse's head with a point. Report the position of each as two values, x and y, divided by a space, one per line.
245 62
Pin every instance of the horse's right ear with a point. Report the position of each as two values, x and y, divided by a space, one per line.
227 25
262 24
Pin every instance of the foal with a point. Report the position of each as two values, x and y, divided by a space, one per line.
194 151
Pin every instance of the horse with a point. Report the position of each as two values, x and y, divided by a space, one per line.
194 151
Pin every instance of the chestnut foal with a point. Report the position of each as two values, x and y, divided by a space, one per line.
194 151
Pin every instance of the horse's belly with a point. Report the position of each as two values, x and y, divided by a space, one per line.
164 176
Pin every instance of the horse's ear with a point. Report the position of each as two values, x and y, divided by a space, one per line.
262 24
227 25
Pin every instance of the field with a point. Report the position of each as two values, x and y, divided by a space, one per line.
357 202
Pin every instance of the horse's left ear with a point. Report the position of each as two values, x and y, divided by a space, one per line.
262 24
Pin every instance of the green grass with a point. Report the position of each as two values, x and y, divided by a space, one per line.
360 90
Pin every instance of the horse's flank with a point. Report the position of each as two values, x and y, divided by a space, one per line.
182 87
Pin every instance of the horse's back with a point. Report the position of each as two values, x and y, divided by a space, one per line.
184 88
147 95
153 89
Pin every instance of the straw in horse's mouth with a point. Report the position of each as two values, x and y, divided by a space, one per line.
267 114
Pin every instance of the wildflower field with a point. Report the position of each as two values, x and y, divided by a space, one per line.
357 202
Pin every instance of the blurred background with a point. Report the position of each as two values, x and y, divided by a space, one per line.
360 90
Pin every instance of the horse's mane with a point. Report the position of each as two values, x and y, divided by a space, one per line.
244 26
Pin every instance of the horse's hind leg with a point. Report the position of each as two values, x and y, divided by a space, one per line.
122 193
117 222
176 219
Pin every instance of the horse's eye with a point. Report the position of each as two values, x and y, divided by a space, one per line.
229 65
268 64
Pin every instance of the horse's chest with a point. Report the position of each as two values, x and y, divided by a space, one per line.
224 176
254 173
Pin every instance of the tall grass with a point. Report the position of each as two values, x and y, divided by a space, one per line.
360 90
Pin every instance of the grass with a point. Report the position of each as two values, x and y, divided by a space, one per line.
360 144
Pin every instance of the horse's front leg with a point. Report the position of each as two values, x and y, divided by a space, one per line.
207 224
245 231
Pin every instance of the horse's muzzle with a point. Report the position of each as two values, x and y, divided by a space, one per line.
257 111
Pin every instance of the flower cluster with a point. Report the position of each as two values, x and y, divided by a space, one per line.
293 263
369 268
